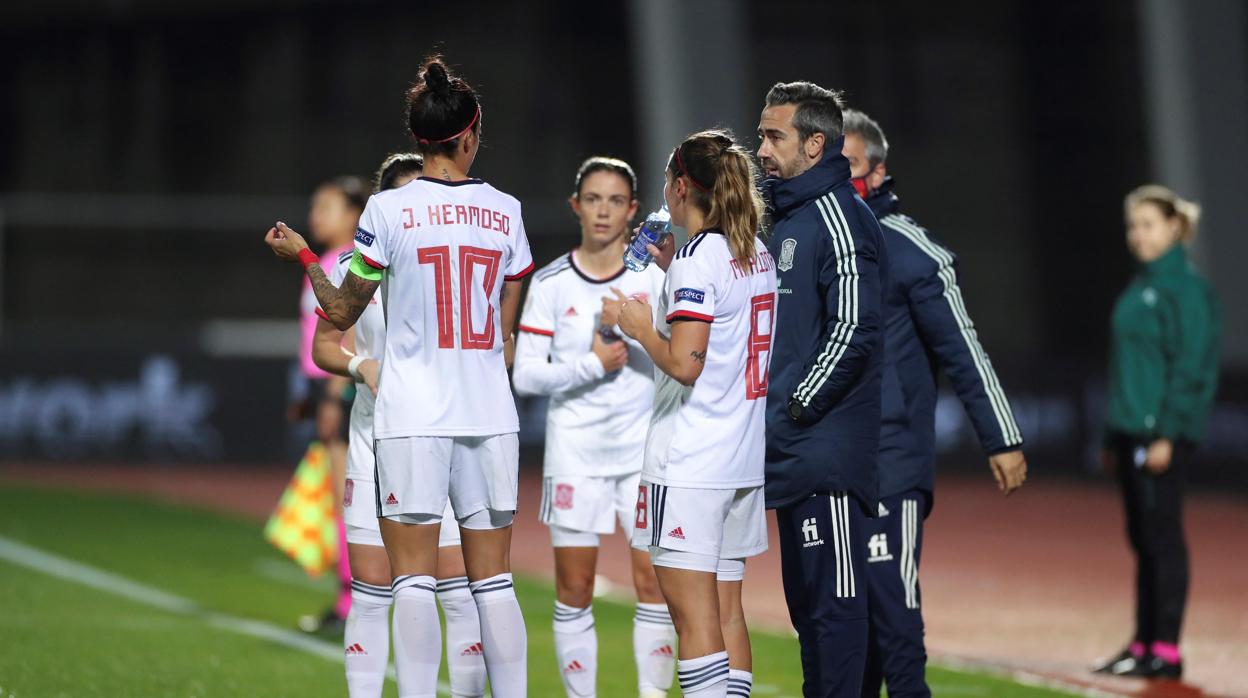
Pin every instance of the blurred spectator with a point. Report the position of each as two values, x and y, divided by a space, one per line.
1163 371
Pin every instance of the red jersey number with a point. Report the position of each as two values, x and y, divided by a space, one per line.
478 267
762 316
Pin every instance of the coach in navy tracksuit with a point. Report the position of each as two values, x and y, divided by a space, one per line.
823 403
925 326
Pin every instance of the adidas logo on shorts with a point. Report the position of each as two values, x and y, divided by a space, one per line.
571 312
676 533
473 651
355 649
392 500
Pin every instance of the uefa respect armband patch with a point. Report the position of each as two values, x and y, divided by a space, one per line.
364 237
690 295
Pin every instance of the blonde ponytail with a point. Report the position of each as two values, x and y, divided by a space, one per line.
736 205
722 174
1171 206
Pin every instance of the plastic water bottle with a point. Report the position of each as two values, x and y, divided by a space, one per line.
656 226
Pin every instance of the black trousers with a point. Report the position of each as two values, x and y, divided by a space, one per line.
895 652
1154 507
823 548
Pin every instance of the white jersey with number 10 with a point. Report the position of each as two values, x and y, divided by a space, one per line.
446 248
711 435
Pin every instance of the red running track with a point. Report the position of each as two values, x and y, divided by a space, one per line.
1039 583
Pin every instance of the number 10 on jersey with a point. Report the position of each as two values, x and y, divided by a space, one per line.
470 260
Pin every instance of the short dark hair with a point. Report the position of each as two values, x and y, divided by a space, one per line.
818 108
602 163
871 134
396 165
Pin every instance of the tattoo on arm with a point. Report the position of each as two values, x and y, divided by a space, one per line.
699 356
343 304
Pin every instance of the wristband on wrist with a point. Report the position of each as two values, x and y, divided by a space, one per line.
307 258
353 367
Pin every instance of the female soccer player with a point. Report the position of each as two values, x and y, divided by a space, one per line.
601 395
452 251
1163 372
336 208
367 635
700 505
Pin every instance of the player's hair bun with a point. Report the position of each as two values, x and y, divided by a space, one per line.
436 78
441 107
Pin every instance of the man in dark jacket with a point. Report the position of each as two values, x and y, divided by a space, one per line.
823 403
926 327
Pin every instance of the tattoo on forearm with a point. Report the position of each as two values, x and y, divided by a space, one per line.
343 305
699 356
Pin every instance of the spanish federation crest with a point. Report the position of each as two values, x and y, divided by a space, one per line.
787 248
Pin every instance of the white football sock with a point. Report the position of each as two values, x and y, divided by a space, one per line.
576 649
367 639
417 636
465 658
706 677
654 648
740 683
502 636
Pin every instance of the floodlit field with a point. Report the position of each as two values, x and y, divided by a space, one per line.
109 595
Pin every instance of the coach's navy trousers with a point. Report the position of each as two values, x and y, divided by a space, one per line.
896 655
822 541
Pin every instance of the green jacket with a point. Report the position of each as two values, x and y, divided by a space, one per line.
1163 355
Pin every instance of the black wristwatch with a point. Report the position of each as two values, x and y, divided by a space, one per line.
795 409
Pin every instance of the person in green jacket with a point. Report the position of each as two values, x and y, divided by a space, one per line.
1163 372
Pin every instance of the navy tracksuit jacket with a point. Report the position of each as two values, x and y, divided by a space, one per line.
823 412
823 397
926 326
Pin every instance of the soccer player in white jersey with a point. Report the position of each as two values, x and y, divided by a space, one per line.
700 509
452 252
354 354
601 389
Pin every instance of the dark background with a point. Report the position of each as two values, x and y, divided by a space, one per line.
145 147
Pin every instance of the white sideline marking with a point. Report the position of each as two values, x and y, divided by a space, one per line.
64 568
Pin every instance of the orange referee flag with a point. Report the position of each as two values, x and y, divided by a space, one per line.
304 525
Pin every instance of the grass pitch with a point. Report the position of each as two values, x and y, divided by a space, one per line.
108 595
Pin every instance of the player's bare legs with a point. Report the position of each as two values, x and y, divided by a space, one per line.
732 625
574 576
465 657
411 548
736 638
369 564
576 641
487 557
644 579
487 552
693 600
413 553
